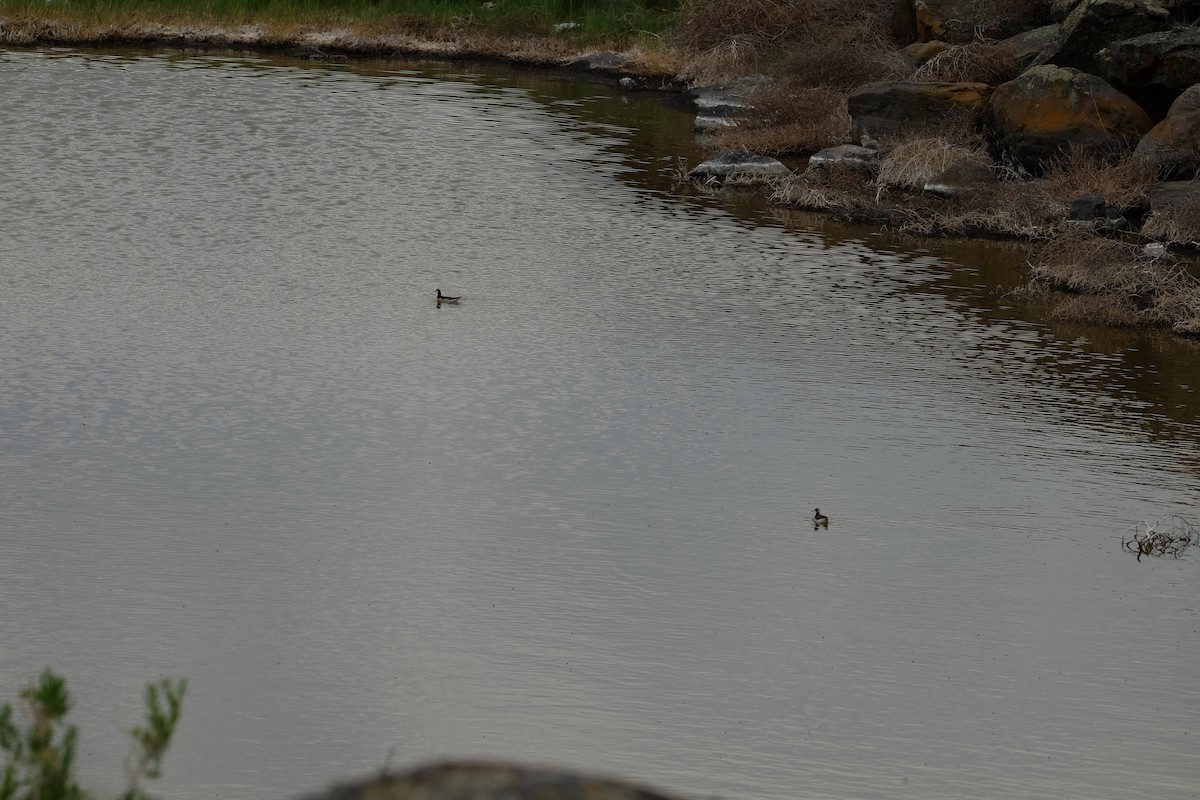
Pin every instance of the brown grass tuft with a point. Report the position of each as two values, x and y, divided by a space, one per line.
811 42
980 61
722 63
859 53
1008 17
1107 310
1006 209
846 190
1178 223
788 119
1123 184
709 23
1081 261
1119 277
912 163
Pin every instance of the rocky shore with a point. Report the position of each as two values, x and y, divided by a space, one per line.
1080 129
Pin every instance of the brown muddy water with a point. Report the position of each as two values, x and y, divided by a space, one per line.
567 521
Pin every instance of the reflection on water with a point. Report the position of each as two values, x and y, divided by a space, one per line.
567 520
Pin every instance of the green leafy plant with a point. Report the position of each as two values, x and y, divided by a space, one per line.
39 757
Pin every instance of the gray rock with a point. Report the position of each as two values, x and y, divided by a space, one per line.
962 178
1061 9
1171 193
1159 62
486 781
1031 44
1088 208
853 155
719 105
600 62
738 163
1094 24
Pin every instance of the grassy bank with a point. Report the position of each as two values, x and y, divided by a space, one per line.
503 27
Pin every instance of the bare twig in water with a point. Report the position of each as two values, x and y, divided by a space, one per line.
1169 535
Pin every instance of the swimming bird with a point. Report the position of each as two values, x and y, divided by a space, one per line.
443 298
819 519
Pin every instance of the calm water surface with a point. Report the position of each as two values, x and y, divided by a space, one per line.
565 522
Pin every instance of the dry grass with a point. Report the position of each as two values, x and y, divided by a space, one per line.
709 23
1118 284
979 61
788 119
1083 262
912 163
1005 209
1123 184
809 42
858 53
1178 223
1008 17
722 63
1107 310
843 189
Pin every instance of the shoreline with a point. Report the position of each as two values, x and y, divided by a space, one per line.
1074 291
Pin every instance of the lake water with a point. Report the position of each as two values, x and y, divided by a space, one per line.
566 522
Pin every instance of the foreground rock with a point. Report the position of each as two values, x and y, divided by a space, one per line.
1153 68
467 780
1173 145
1048 110
895 108
1095 23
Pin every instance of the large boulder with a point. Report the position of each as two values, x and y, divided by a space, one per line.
895 108
1049 109
1095 23
1032 43
1173 145
1160 62
1061 9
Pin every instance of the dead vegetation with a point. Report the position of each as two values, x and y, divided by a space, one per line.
1119 284
789 119
1123 184
911 164
813 43
845 190
1178 223
1169 535
1009 17
979 61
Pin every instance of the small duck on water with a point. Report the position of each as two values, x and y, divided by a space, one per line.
445 298
819 519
